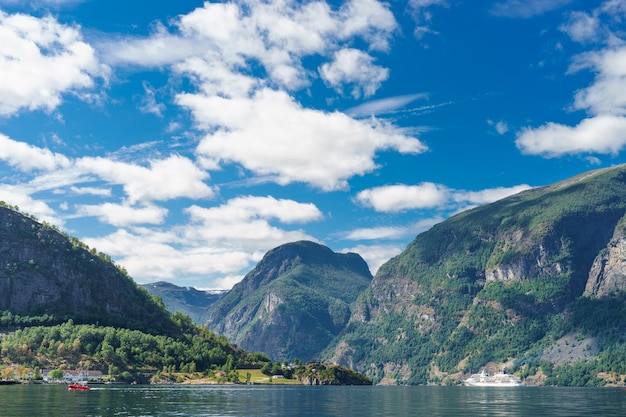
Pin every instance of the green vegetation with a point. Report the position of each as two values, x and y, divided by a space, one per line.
499 283
115 351
295 301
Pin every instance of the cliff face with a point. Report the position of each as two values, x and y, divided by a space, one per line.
293 302
608 272
45 272
485 284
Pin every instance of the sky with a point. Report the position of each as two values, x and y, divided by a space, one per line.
186 138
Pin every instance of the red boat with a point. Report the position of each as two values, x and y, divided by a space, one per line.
78 387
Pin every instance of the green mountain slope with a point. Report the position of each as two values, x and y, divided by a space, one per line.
51 275
501 283
64 305
293 303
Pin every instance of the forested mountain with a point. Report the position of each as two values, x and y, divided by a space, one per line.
293 303
47 274
65 305
186 300
534 281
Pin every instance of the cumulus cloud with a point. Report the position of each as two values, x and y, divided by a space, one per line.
401 197
276 34
223 239
250 117
164 179
600 134
354 67
605 102
607 94
40 60
121 215
271 134
427 195
29 158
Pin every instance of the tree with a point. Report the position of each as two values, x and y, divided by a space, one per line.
56 374
6 373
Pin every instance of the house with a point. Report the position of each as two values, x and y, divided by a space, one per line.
71 376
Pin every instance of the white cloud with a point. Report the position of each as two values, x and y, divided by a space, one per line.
607 94
600 134
422 15
489 195
251 207
164 179
500 126
427 195
375 255
277 34
582 27
250 119
18 196
526 8
40 60
400 197
223 240
149 103
29 158
604 100
271 134
123 215
376 233
354 67
102 192
604 131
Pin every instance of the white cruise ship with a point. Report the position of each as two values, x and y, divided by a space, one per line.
497 380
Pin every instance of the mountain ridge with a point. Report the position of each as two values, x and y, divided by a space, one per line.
293 302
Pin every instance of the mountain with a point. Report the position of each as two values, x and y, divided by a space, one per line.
534 282
186 300
63 305
293 303
50 277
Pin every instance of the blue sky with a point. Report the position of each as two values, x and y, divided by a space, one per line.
186 138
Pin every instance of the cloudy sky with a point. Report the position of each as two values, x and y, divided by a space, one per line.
187 138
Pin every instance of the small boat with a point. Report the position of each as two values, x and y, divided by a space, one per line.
79 387
497 380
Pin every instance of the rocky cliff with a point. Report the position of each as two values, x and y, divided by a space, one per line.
293 303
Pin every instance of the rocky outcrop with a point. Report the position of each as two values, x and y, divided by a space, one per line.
608 273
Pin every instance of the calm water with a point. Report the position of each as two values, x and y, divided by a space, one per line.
57 401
